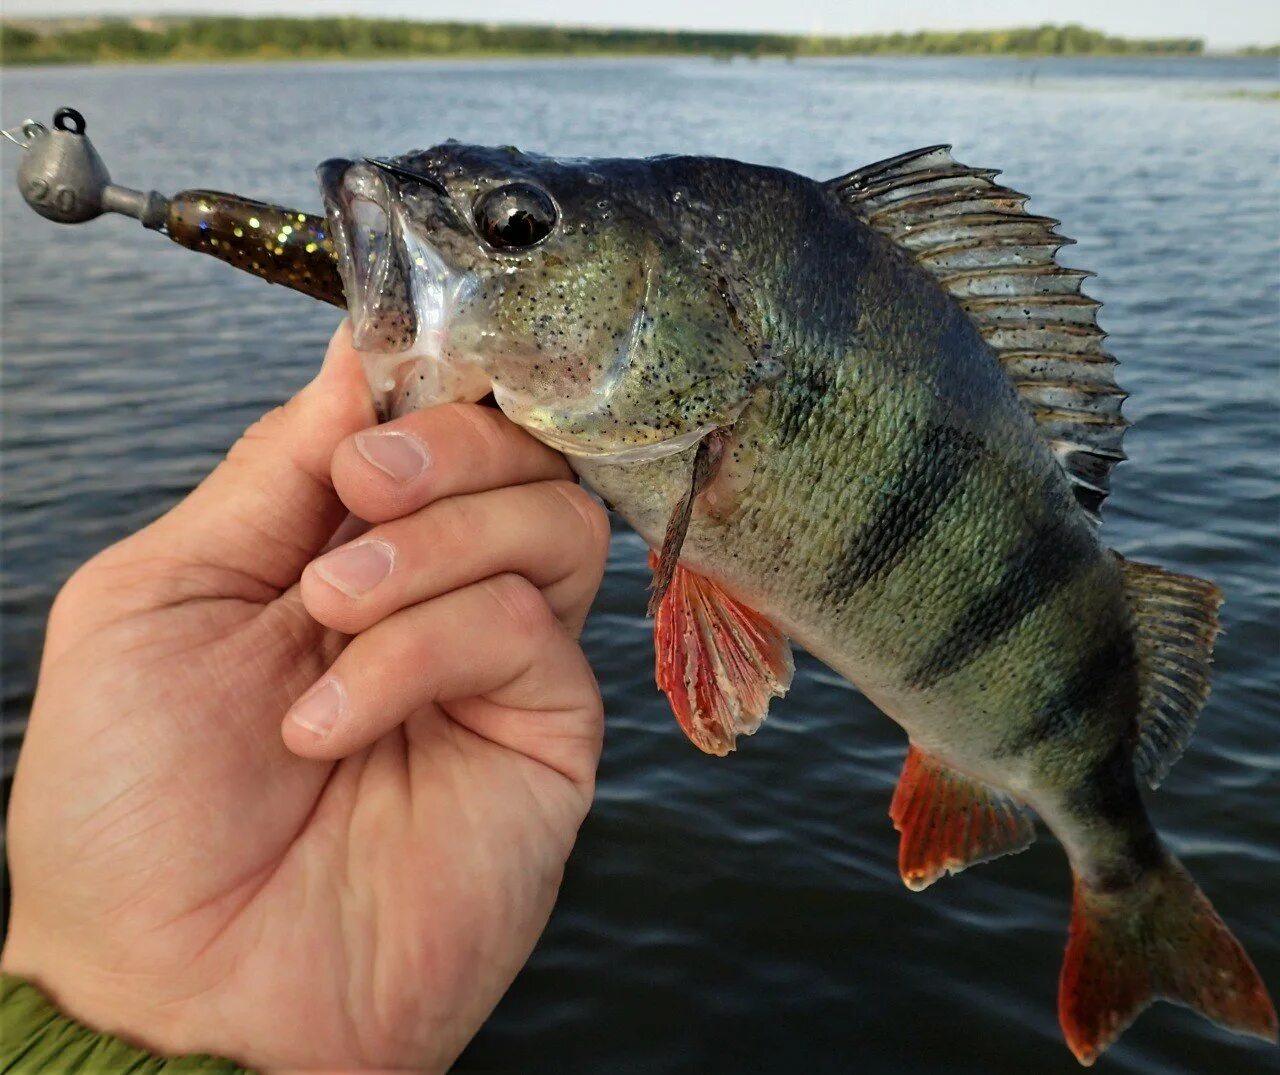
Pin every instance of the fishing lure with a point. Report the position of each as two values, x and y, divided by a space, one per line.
63 178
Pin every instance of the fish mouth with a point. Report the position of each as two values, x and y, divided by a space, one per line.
360 205
400 290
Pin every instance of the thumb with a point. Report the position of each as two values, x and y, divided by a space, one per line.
269 507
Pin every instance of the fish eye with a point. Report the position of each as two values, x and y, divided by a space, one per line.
515 216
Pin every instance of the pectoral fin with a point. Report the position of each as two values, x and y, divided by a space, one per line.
718 661
950 821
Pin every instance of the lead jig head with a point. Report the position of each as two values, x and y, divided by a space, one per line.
64 180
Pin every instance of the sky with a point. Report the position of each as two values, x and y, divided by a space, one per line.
1221 23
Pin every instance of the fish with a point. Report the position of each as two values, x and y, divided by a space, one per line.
873 417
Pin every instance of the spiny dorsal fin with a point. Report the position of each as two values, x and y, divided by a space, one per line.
998 261
1176 617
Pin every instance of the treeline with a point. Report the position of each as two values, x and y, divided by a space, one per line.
217 38
1070 40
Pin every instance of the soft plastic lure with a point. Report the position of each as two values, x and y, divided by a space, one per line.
63 178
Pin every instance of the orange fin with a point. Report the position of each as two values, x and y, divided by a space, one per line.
718 661
1159 938
949 821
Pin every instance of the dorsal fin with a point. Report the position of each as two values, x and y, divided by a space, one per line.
1176 622
999 262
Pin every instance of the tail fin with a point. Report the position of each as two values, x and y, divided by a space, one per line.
1159 939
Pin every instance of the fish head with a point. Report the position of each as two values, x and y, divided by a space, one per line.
573 290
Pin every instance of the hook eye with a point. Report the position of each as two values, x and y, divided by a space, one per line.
68 119
25 133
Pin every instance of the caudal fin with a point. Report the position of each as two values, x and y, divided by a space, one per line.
1158 939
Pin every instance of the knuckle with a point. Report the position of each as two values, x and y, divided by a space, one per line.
454 525
266 428
591 513
112 581
484 434
521 605
78 589
260 442
103 571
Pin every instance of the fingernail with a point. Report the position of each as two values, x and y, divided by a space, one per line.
398 454
357 569
319 709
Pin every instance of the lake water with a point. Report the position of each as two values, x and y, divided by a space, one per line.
743 914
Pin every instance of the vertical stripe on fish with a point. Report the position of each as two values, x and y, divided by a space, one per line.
1094 686
905 508
1045 559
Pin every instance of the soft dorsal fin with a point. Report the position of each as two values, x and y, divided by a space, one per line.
999 262
1176 621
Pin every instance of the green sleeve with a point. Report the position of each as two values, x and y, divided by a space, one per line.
37 1039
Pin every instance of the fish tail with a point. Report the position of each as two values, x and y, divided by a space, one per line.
1156 938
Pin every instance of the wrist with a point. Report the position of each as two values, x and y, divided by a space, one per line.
35 958
40 1038
100 1003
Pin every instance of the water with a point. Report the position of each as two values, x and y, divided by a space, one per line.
742 914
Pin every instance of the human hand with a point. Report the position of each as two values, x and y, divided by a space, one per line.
187 876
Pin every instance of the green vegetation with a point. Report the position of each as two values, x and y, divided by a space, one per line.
217 38
1252 95
1044 40
1261 50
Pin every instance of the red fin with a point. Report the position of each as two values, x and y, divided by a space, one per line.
1159 938
718 661
949 821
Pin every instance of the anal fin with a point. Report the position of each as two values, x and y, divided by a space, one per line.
718 661
950 821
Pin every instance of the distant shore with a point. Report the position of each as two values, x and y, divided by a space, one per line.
221 39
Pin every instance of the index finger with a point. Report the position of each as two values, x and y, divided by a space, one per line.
399 467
